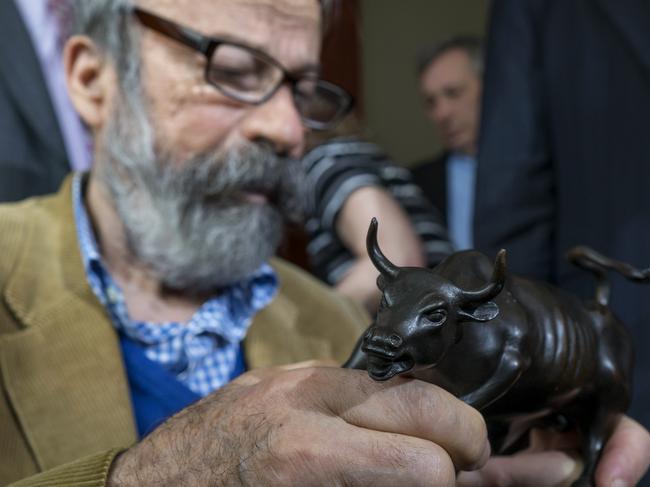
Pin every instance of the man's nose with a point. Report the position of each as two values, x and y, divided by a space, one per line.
442 113
278 123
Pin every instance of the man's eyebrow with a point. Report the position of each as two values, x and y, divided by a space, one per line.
300 70
241 41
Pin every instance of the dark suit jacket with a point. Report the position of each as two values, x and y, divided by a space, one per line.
431 176
33 158
564 155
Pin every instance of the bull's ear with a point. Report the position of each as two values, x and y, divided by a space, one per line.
484 312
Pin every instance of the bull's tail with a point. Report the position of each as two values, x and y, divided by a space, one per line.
598 264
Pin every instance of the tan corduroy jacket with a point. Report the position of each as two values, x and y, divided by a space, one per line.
64 399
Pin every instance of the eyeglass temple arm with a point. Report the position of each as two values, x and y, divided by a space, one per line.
179 33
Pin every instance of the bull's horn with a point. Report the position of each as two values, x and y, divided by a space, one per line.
383 265
494 286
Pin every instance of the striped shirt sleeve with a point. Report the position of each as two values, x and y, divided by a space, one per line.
338 168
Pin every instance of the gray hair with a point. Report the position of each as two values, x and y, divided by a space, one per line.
108 23
470 44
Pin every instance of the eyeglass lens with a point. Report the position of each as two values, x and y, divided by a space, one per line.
241 74
319 101
248 77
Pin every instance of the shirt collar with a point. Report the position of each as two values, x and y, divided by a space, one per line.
242 299
85 234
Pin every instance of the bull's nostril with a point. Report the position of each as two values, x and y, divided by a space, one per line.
395 340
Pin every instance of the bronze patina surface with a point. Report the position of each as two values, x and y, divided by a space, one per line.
511 347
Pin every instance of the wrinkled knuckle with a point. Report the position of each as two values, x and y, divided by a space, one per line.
393 457
477 426
293 453
286 382
307 386
444 471
424 396
477 448
270 389
424 462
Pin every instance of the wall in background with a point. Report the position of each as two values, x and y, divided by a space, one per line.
391 34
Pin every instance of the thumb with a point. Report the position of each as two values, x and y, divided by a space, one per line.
543 469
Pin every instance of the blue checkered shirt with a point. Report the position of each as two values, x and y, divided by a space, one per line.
202 352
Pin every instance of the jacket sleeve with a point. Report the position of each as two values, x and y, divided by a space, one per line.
91 471
515 206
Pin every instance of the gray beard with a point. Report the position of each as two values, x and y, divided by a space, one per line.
189 223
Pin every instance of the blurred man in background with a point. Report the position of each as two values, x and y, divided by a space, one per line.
450 82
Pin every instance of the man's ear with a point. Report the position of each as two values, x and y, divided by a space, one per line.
484 312
88 77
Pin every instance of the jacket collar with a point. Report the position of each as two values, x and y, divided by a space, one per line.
63 371
295 327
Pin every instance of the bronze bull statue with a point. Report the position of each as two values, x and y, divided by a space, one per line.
508 346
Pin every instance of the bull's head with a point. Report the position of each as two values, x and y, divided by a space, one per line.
420 313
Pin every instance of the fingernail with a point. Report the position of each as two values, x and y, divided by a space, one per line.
620 483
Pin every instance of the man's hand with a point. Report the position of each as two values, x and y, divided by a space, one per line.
312 426
625 459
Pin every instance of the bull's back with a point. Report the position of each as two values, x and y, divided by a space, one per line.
568 345
561 340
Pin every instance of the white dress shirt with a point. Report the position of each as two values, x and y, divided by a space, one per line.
461 181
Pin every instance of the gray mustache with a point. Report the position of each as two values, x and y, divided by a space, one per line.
251 170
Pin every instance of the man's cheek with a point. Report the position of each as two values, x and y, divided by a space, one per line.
197 129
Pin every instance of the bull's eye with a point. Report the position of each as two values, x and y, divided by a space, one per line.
436 316
383 303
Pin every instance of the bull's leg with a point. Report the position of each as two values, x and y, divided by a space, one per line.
508 372
609 401
596 428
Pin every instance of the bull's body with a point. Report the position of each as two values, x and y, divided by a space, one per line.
563 349
512 348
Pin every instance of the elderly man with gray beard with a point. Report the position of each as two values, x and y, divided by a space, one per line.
133 296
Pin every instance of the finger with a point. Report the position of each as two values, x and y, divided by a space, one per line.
372 458
626 456
411 407
545 469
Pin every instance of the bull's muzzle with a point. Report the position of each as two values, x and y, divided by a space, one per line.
386 355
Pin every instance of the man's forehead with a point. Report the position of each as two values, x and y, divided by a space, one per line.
451 67
249 19
288 30
454 61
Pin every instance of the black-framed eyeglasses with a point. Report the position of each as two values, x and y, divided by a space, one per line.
249 75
